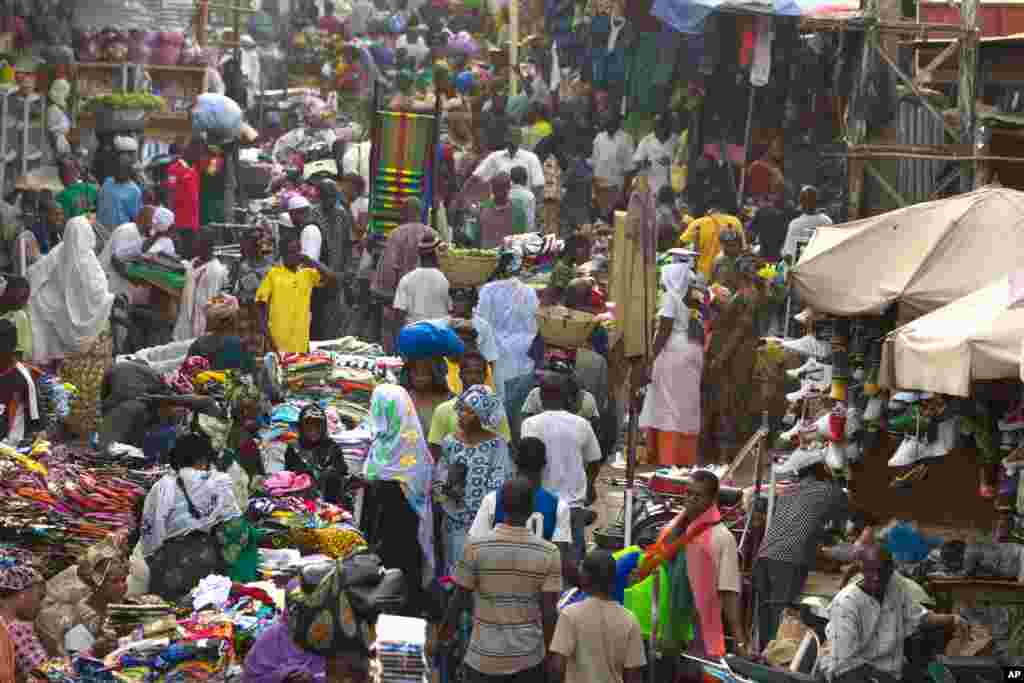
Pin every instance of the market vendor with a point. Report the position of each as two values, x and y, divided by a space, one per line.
82 627
315 454
127 418
22 588
423 293
472 369
181 520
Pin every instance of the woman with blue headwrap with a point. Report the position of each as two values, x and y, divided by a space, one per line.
474 462
671 411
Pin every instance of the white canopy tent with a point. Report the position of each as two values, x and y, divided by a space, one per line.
977 337
922 256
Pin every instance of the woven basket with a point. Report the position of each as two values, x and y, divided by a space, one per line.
565 327
467 271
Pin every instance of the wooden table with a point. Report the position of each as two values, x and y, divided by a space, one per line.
958 592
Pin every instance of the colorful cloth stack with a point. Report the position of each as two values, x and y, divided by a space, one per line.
400 643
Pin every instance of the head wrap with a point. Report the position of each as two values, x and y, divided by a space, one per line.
312 412
95 565
221 308
17 575
59 91
399 453
675 278
163 219
482 401
321 619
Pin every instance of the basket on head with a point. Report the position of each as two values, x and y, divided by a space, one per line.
466 271
565 327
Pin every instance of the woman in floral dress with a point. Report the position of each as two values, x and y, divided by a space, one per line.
475 461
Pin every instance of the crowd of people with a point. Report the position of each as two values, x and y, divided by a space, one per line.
485 455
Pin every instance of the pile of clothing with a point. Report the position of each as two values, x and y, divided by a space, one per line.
55 504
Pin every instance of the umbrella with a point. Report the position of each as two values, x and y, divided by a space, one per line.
976 337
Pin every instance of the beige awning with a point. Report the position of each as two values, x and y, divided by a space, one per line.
976 337
922 256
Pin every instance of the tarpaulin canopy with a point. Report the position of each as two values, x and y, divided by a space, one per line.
976 337
688 16
922 256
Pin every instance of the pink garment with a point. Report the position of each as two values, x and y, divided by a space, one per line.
672 403
702 568
283 483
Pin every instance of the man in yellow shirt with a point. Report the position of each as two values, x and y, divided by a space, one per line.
703 234
285 296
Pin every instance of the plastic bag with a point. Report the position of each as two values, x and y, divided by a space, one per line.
217 114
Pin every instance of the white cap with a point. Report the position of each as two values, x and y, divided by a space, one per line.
126 144
298 202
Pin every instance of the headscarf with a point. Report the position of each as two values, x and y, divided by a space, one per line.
399 453
312 412
321 619
71 299
16 575
676 277
163 219
485 405
59 91
95 565
221 308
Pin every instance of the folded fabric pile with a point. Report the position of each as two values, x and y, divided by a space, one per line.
54 504
400 648
355 445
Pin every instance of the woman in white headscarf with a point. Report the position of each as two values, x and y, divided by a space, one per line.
671 411
58 123
70 313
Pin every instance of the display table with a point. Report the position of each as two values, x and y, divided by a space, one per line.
957 592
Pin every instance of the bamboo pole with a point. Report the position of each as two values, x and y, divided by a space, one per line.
513 48
966 87
857 126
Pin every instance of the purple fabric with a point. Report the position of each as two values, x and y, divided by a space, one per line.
275 655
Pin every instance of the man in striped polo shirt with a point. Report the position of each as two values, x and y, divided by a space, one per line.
516 578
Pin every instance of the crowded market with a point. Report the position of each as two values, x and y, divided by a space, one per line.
464 341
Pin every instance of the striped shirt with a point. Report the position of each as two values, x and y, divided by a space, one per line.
508 569
798 521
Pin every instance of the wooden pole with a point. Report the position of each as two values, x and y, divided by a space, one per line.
857 125
966 86
201 21
513 48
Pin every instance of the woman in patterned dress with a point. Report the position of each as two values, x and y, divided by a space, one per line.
475 461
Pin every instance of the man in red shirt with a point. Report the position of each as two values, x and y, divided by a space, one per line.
182 186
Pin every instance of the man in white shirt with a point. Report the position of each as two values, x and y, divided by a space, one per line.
504 160
310 237
612 159
802 228
655 152
521 194
575 454
423 293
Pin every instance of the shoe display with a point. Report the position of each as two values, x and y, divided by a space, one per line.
909 452
835 458
811 366
1015 460
854 422
1007 441
873 411
945 442
837 422
806 390
1013 421
801 459
905 422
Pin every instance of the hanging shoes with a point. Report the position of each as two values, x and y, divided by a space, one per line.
811 366
909 452
809 346
800 459
1013 421
873 411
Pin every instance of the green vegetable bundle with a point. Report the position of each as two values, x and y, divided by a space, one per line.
128 100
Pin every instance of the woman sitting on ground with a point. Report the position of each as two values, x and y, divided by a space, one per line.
317 455
183 520
82 627
21 595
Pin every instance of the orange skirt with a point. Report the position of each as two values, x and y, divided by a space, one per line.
673 449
